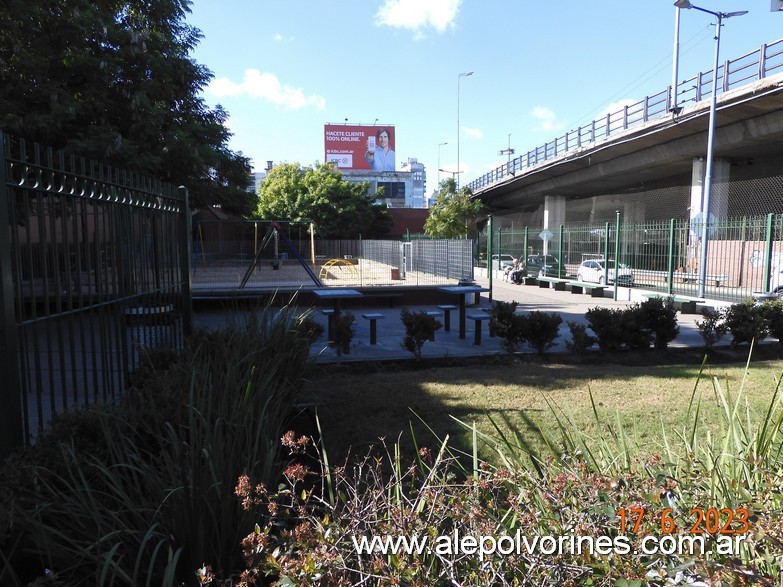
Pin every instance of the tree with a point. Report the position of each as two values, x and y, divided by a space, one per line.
453 213
112 80
339 208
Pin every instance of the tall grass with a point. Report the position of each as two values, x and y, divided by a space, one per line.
151 498
575 486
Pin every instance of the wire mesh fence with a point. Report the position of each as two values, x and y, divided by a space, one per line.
244 256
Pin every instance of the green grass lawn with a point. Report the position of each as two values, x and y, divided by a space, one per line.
360 404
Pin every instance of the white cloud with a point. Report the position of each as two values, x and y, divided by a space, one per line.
473 133
281 39
418 14
265 86
547 119
616 107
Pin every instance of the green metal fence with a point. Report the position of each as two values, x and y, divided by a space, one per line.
95 271
744 255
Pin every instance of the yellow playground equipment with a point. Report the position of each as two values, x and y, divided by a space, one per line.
327 269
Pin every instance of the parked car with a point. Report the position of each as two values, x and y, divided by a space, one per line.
595 271
505 261
547 265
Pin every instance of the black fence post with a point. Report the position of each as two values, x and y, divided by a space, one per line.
186 258
11 429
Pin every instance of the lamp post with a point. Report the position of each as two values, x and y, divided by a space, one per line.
454 174
461 75
439 146
719 16
508 152
675 63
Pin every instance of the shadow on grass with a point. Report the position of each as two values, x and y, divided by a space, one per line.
420 404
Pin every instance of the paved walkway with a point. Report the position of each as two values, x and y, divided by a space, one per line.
390 331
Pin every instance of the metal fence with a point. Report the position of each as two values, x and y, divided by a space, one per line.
95 271
759 64
744 255
247 256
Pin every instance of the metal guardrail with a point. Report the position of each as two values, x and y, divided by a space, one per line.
753 66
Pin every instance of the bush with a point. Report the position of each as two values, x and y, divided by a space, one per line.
607 323
746 322
142 493
540 329
505 323
581 340
713 327
773 315
660 317
419 328
342 332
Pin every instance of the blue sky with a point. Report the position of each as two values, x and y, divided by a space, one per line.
284 69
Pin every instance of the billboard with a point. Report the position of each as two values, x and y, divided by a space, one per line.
359 147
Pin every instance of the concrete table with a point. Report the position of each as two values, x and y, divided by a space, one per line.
462 291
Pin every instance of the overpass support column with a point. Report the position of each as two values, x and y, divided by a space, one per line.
719 198
554 215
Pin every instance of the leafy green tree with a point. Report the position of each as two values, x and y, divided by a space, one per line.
320 194
113 80
454 214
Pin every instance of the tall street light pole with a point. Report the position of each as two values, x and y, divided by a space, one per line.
675 63
461 75
705 212
508 152
439 146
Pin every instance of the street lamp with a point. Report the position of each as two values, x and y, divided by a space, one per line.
508 152
719 16
466 74
439 146
453 173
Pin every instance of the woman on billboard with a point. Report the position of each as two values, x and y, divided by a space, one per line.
379 155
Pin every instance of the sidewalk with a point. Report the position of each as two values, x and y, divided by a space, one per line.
570 307
390 331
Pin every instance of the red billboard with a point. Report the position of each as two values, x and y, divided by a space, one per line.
352 147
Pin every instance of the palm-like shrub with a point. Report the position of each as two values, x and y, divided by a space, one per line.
145 494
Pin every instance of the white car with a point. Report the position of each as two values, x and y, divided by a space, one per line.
502 261
594 271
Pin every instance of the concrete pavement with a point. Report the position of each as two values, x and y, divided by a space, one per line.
390 330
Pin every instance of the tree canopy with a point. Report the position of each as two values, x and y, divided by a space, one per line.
112 80
320 194
454 214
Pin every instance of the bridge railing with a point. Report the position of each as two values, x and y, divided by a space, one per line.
763 62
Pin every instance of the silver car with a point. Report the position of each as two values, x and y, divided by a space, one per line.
597 270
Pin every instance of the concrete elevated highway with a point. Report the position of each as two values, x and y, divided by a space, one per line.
655 151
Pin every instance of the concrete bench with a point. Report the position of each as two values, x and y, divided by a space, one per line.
686 305
529 280
688 277
596 289
373 317
557 283
478 319
446 309
329 313
433 314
